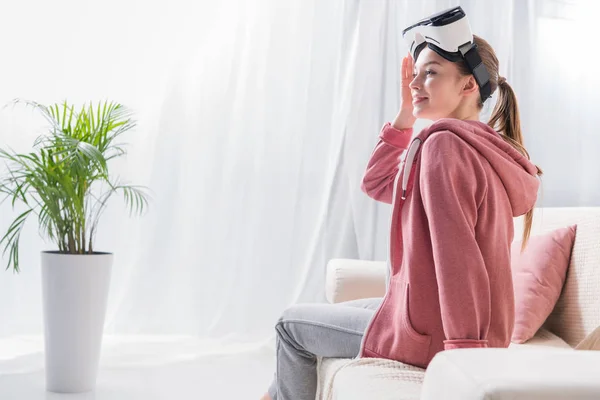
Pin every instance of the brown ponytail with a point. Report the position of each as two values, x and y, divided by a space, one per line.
505 117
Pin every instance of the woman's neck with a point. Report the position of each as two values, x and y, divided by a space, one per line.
465 112
466 116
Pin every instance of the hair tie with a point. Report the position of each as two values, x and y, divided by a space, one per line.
501 80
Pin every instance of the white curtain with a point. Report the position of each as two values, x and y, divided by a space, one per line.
256 121
561 99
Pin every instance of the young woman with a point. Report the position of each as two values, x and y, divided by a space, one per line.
454 197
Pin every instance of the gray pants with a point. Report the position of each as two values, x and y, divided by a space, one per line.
306 331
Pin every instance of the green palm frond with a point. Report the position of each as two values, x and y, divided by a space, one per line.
57 181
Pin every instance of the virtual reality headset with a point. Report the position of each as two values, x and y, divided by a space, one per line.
448 33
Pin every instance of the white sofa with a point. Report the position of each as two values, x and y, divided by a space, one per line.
546 367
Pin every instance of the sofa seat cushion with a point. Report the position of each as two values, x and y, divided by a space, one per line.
542 338
378 379
369 378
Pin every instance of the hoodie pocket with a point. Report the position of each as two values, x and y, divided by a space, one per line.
415 345
419 337
392 335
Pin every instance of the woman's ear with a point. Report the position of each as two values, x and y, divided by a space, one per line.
470 86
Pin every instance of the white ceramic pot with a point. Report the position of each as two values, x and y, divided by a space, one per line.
75 292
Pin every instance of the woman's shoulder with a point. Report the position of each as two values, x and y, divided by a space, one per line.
443 140
444 149
450 134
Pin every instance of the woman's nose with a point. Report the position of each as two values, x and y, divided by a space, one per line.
415 84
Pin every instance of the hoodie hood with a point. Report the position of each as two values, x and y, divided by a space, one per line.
517 173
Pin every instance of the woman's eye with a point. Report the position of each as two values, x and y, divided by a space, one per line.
427 72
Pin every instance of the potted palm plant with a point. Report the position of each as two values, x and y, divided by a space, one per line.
65 182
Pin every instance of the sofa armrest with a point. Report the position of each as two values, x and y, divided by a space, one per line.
499 374
354 279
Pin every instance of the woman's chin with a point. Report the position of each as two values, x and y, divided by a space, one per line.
420 113
425 113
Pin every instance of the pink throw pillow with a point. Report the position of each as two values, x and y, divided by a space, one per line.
539 273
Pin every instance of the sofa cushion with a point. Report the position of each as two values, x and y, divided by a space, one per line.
539 273
591 342
369 378
577 311
327 368
542 338
378 379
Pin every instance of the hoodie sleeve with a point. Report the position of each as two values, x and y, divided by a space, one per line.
378 182
453 184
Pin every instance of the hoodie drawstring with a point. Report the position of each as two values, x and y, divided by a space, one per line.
410 157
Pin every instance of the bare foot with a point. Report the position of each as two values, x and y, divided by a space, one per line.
266 397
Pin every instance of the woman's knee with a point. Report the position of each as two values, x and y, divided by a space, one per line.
304 313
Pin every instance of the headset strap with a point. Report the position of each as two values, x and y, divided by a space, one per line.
477 68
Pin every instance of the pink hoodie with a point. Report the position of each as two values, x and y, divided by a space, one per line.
451 230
